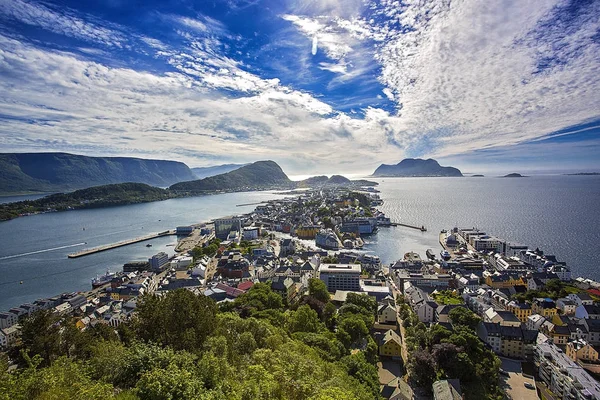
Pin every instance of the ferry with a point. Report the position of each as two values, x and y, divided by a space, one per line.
103 279
445 255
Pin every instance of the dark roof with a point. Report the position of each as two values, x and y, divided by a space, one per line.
492 329
529 335
511 332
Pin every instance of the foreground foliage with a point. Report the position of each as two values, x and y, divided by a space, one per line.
181 346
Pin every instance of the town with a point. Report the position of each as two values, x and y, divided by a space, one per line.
481 313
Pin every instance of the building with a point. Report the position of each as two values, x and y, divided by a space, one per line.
386 314
504 281
489 333
307 231
587 311
504 318
8 336
390 345
512 344
447 390
224 226
251 233
184 230
535 321
563 376
340 276
327 239
581 350
566 306
521 310
7 320
158 261
545 307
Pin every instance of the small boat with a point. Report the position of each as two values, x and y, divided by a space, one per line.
430 254
445 255
20 283
148 245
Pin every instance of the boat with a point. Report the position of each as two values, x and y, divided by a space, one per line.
148 245
445 255
430 254
103 279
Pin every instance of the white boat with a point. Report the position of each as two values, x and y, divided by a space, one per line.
445 255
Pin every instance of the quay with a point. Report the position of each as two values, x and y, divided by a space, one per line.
120 244
250 204
420 228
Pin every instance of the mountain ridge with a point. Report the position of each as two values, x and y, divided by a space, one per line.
205 172
56 172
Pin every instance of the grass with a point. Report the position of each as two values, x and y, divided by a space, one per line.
447 297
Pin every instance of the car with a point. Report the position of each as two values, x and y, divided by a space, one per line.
529 385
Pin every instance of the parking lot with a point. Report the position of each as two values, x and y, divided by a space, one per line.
514 384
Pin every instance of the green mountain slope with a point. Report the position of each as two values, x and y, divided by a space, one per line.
43 172
261 174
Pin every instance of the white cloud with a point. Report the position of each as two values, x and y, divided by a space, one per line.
64 23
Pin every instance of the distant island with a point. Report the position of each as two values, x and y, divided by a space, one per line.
477 176
416 167
584 174
514 175
334 180
205 172
94 197
22 173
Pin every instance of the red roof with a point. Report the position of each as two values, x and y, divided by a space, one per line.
231 291
595 292
245 285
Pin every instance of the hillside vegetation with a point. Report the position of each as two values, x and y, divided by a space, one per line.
261 174
182 346
98 196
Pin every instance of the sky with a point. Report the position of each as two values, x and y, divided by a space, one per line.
319 86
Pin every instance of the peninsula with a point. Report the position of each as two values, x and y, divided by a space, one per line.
416 167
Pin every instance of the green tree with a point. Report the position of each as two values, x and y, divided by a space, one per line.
465 317
40 334
171 382
179 319
305 319
422 368
318 290
352 330
362 300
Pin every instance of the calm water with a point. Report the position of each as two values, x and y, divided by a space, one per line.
34 249
558 214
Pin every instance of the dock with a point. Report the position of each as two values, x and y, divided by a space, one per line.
420 228
120 244
250 204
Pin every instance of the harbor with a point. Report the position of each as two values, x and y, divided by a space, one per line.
122 243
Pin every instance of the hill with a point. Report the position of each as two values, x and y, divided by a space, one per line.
51 172
94 197
514 175
259 175
416 167
205 172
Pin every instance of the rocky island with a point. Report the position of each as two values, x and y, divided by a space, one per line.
416 167
514 175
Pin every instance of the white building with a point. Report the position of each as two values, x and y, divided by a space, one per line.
340 276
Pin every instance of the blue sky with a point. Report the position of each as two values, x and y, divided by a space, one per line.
318 86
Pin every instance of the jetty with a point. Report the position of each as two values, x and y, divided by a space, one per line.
250 204
420 228
120 244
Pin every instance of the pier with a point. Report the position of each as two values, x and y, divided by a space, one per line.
420 228
250 204
120 244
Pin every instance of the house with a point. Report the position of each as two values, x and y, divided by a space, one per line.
288 246
581 350
10 335
396 389
544 306
8 319
581 298
535 284
284 286
386 314
391 345
489 333
504 281
534 322
447 390
512 344
587 311
521 310
593 328
566 306
504 318
426 311
559 334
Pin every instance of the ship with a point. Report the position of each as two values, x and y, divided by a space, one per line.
445 255
103 279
